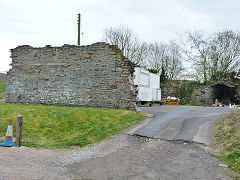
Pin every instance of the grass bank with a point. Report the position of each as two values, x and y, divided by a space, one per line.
61 126
228 140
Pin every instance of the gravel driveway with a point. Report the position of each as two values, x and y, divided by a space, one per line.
123 157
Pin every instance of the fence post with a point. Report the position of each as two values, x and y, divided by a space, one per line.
18 131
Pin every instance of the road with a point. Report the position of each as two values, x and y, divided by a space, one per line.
150 155
186 123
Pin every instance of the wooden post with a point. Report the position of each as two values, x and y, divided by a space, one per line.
18 131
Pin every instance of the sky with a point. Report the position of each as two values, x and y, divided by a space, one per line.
54 22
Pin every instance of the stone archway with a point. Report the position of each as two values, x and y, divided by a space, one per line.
225 94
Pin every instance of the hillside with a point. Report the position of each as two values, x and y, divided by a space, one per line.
2 76
2 91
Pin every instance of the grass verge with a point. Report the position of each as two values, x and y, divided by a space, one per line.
61 126
228 140
194 104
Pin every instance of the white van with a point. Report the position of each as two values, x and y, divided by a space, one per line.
148 85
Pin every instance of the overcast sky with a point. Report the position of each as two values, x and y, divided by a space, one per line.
54 22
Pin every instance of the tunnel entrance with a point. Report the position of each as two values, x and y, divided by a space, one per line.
225 94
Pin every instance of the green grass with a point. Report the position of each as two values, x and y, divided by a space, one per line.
228 140
61 126
193 104
2 87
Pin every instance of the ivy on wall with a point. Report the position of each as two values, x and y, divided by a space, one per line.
184 92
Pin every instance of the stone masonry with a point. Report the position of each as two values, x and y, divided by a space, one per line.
97 75
201 93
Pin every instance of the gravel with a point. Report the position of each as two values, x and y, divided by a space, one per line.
143 158
122 157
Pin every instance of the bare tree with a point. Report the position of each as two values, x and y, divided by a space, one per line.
127 42
214 55
139 54
224 54
196 48
172 61
165 56
155 56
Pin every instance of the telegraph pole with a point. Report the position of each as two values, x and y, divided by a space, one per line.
79 19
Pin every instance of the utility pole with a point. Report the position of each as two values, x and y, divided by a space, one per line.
79 19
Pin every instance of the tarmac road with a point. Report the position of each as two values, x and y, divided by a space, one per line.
186 123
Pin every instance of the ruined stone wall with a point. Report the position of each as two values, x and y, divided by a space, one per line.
203 94
95 76
238 93
199 93
169 89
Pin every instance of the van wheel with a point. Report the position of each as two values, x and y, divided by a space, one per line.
142 102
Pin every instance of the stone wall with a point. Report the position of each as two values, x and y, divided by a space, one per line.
203 94
169 89
97 75
238 93
200 93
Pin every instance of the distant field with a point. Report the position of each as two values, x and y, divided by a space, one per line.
2 90
2 86
61 126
